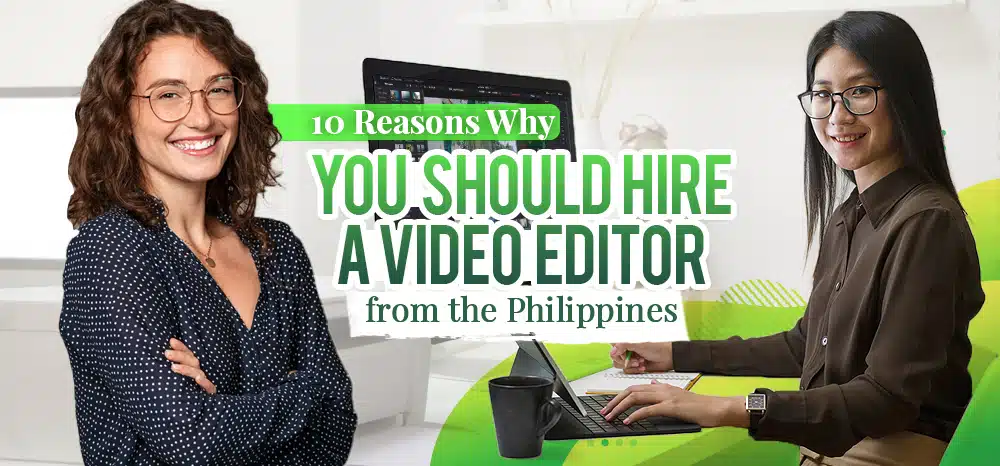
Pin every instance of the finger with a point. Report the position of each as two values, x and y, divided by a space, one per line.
617 399
635 398
616 360
636 394
179 345
183 357
205 384
625 393
199 377
622 349
644 412
635 366
184 349
186 370
616 406
618 353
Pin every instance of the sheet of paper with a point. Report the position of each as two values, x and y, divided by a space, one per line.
614 380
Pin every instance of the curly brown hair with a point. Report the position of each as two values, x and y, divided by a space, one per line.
104 166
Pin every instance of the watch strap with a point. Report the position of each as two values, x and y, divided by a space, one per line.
757 415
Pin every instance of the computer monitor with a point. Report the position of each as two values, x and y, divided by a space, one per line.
388 81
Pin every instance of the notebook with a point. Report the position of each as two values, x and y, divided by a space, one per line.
614 380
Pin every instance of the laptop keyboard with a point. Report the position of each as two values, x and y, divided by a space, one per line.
596 423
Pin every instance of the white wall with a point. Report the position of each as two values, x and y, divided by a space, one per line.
63 36
59 38
730 83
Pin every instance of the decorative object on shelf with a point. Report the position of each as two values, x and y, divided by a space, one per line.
642 132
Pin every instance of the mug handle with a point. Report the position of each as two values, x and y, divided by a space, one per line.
549 414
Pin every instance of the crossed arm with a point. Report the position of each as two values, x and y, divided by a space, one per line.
115 325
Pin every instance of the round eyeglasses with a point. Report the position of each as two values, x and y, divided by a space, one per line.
859 100
172 101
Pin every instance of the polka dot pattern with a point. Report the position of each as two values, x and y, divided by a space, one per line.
129 288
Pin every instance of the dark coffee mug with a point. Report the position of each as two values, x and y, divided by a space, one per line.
523 412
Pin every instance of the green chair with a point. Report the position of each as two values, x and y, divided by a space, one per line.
976 435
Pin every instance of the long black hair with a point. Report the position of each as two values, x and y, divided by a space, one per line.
896 58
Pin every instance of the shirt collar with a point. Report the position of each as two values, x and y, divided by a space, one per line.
881 196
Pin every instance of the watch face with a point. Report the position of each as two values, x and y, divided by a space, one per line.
756 401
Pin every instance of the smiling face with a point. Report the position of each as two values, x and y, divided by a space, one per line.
864 144
193 149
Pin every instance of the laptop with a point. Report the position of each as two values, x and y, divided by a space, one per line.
581 417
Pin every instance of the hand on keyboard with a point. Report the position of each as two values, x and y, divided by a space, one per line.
640 402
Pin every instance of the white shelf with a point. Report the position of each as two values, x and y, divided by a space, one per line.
592 11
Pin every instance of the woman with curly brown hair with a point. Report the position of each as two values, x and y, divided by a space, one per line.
194 329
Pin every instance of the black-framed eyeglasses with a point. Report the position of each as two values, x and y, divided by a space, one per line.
859 100
172 102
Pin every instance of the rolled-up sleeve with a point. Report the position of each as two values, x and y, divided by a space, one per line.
115 321
917 319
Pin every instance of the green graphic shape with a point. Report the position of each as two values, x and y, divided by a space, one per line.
975 439
762 293
982 203
416 122
711 320
984 332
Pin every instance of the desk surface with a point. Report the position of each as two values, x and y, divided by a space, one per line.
468 433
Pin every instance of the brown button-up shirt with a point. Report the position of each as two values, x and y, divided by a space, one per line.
883 344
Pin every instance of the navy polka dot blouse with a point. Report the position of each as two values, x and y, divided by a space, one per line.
128 289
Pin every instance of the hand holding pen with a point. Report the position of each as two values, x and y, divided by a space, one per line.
636 358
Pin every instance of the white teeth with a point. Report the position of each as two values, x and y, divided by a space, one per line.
848 138
195 145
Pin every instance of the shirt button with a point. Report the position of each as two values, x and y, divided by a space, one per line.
838 286
823 342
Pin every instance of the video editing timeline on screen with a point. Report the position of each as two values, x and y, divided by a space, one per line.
408 90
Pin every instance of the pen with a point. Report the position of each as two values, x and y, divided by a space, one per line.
692 382
628 356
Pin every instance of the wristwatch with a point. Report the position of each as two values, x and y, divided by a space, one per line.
756 404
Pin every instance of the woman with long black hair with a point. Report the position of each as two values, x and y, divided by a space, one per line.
882 351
